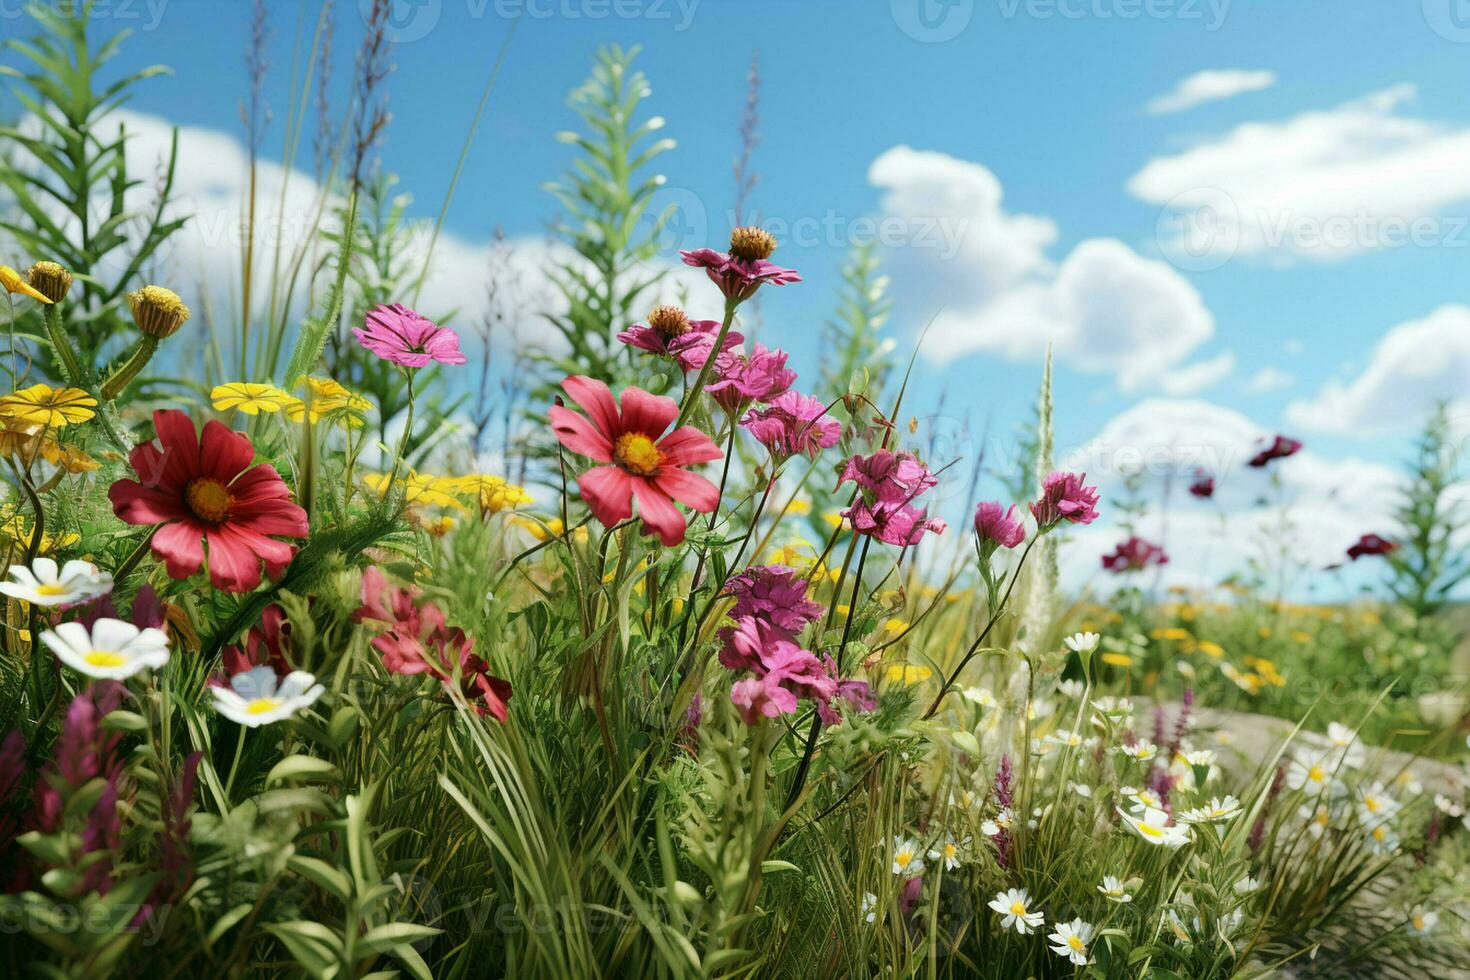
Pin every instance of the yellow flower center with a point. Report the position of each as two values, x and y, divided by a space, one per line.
105 658
1150 830
1371 804
209 500
903 858
261 705
1315 774
950 850
1076 944
637 453
1419 922
1018 908
50 589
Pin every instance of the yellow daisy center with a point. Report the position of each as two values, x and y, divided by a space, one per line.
1018 908
1150 830
1372 804
637 453
1315 774
260 706
1076 943
209 500
1419 922
50 589
105 658
903 858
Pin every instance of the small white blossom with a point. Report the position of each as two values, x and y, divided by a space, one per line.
111 650
257 697
906 858
1114 890
44 584
1011 905
1072 939
1155 828
1082 643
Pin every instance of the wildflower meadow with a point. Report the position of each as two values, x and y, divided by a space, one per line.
349 635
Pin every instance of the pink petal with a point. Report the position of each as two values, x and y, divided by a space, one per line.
688 488
223 454
180 547
138 504
579 435
659 513
608 492
645 413
686 445
180 444
596 400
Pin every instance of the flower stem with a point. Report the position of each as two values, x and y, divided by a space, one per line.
131 561
62 347
692 396
124 375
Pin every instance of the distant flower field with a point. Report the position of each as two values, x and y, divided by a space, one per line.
335 647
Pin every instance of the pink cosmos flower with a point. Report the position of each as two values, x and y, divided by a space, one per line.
670 333
773 594
997 527
1371 544
1279 448
745 268
397 334
793 423
643 460
741 380
1064 497
889 483
203 491
1134 555
1203 485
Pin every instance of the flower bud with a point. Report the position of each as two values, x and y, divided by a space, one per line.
158 312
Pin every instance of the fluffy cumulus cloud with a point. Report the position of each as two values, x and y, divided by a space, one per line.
1104 307
1322 184
1415 365
1211 85
1159 444
1269 379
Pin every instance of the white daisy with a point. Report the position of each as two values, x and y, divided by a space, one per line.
255 697
43 584
1422 921
112 649
1002 821
1246 885
906 858
1382 840
1142 799
869 909
1071 689
1344 740
1155 828
948 852
1213 812
1318 818
1313 776
980 696
1082 643
1072 939
1011 905
1140 751
1114 890
1375 805
1450 808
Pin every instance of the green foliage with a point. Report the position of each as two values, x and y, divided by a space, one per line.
1430 560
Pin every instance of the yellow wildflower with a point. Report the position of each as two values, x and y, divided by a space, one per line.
907 673
249 397
1117 659
51 407
419 488
14 283
896 626
15 530
494 494
799 507
1211 649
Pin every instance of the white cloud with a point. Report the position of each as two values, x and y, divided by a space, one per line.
1211 85
1269 379
1416 364
1329 503
1322 184
1191 379
1104 308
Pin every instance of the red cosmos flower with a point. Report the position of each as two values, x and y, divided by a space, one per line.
642 460
203 490
1134 555
1372 544
1280 448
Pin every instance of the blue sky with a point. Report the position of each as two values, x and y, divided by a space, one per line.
1050 99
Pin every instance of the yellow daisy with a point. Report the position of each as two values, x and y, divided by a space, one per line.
14 283
249 397
51 407
907 673
419 488
328 399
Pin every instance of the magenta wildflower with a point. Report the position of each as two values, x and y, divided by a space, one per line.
1065 498
399 335
742 379
1371 544
888 483
892 523
772 594
793 424
1203 485
745 268
997 527
1279 448
1004 800
670 333
1134 555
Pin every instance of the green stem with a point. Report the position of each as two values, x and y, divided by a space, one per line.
124 375
692 397
135 556
239 748
61 346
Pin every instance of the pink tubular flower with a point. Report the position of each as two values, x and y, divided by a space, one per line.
773 594
1371 544
203 491
892 523
397 334
745 268
1134 555
793 424
1064 498
1279 448
888 483
1203 485
759 697
671 333
997 527
642 460
740 380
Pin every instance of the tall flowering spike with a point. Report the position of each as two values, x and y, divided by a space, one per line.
403 337
670 333
997 527
1065 498
745 268
1134 555
202 490
640 458
1278 448
793 424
